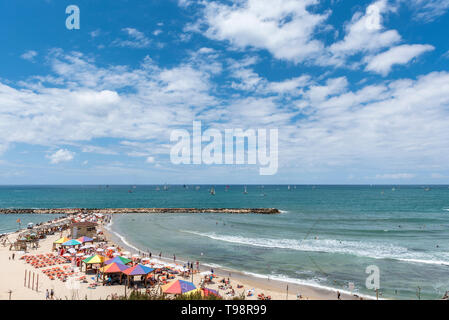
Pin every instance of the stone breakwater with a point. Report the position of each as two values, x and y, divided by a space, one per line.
139 210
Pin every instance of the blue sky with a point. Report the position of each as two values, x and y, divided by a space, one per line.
359 91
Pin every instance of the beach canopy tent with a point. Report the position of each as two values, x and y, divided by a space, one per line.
61 241
138 270
118 259
85 239
114 268
72 242
178 287
96 259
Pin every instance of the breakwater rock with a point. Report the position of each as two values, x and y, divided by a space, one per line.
138 210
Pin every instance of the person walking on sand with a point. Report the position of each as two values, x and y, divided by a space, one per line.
338 295
52 294
174 258
47 295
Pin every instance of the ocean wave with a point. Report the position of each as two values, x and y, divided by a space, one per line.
309 283
357 248
121 237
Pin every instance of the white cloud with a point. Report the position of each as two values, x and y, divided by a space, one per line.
365 33
283 27
95 33
428 10
29 55
383 62
395 176
150 160
62 155
137 39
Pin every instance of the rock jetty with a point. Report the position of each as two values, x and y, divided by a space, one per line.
138 210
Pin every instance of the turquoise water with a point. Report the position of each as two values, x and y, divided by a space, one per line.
326 235
8 223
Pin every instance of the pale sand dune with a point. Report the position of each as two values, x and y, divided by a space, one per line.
12 278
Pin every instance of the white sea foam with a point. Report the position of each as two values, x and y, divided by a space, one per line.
357 248
310 283
122 238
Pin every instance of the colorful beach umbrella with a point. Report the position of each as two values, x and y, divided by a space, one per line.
94 259
72 242
118 259
137 270
178 287
114 268
85 239
61 241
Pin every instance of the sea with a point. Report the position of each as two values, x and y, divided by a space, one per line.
325 236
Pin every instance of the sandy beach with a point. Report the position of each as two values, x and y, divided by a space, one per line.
13 287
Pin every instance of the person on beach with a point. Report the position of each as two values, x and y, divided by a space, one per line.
174 258
52 294
160 254
338 295
47 295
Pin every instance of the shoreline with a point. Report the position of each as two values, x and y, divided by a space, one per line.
74 211
264 282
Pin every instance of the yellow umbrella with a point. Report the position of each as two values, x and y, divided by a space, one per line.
61 241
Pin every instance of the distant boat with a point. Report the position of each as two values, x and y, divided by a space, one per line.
393 189
245 191
427 189
212 191
165 187
289 188
157 188
197 188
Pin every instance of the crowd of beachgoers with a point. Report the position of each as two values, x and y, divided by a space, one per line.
93 266
95 262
